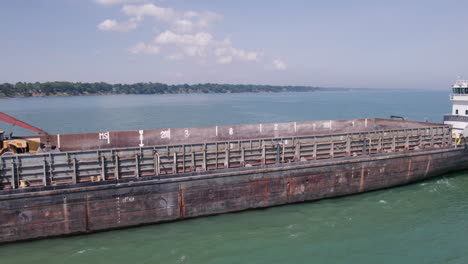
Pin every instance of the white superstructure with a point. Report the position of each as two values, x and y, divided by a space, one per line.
459 117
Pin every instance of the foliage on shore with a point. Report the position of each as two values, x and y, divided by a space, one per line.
23 89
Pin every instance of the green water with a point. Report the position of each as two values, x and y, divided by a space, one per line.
426 222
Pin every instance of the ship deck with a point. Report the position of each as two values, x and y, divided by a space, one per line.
110 156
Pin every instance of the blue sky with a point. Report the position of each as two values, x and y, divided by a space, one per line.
368 44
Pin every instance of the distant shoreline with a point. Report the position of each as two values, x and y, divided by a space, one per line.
61 89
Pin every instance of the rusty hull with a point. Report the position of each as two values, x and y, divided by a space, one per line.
83 208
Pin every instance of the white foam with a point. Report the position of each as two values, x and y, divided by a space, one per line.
445 182
82 251
294 235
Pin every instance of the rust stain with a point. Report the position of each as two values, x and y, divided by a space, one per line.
427 167
118 209
65 214
408 176
261 191
87 214
181 202
382 169
288 191
223 192
361 183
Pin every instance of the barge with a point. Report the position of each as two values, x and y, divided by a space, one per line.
108 180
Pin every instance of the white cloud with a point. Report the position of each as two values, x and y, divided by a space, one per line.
190 14
244 55
183 26
167 37
140 11
206 19
279 65
193 51
115 2
199 39
142 48
178 22
226 51
203 44
189 44
202 20
108 25
185 34
113 25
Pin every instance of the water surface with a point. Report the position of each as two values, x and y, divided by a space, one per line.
426 222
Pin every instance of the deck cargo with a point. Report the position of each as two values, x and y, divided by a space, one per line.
107 180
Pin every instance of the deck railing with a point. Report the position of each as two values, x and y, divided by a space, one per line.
453 95
458 118
21 171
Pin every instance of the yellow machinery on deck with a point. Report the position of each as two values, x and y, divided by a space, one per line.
14 145
17 145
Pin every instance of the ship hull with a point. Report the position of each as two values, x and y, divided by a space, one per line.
90 207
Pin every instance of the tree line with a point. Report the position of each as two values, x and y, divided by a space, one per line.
24 89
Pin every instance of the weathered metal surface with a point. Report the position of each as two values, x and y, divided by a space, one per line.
177 136
201 174
51 211
84 166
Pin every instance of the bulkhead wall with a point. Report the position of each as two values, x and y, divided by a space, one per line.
173 136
